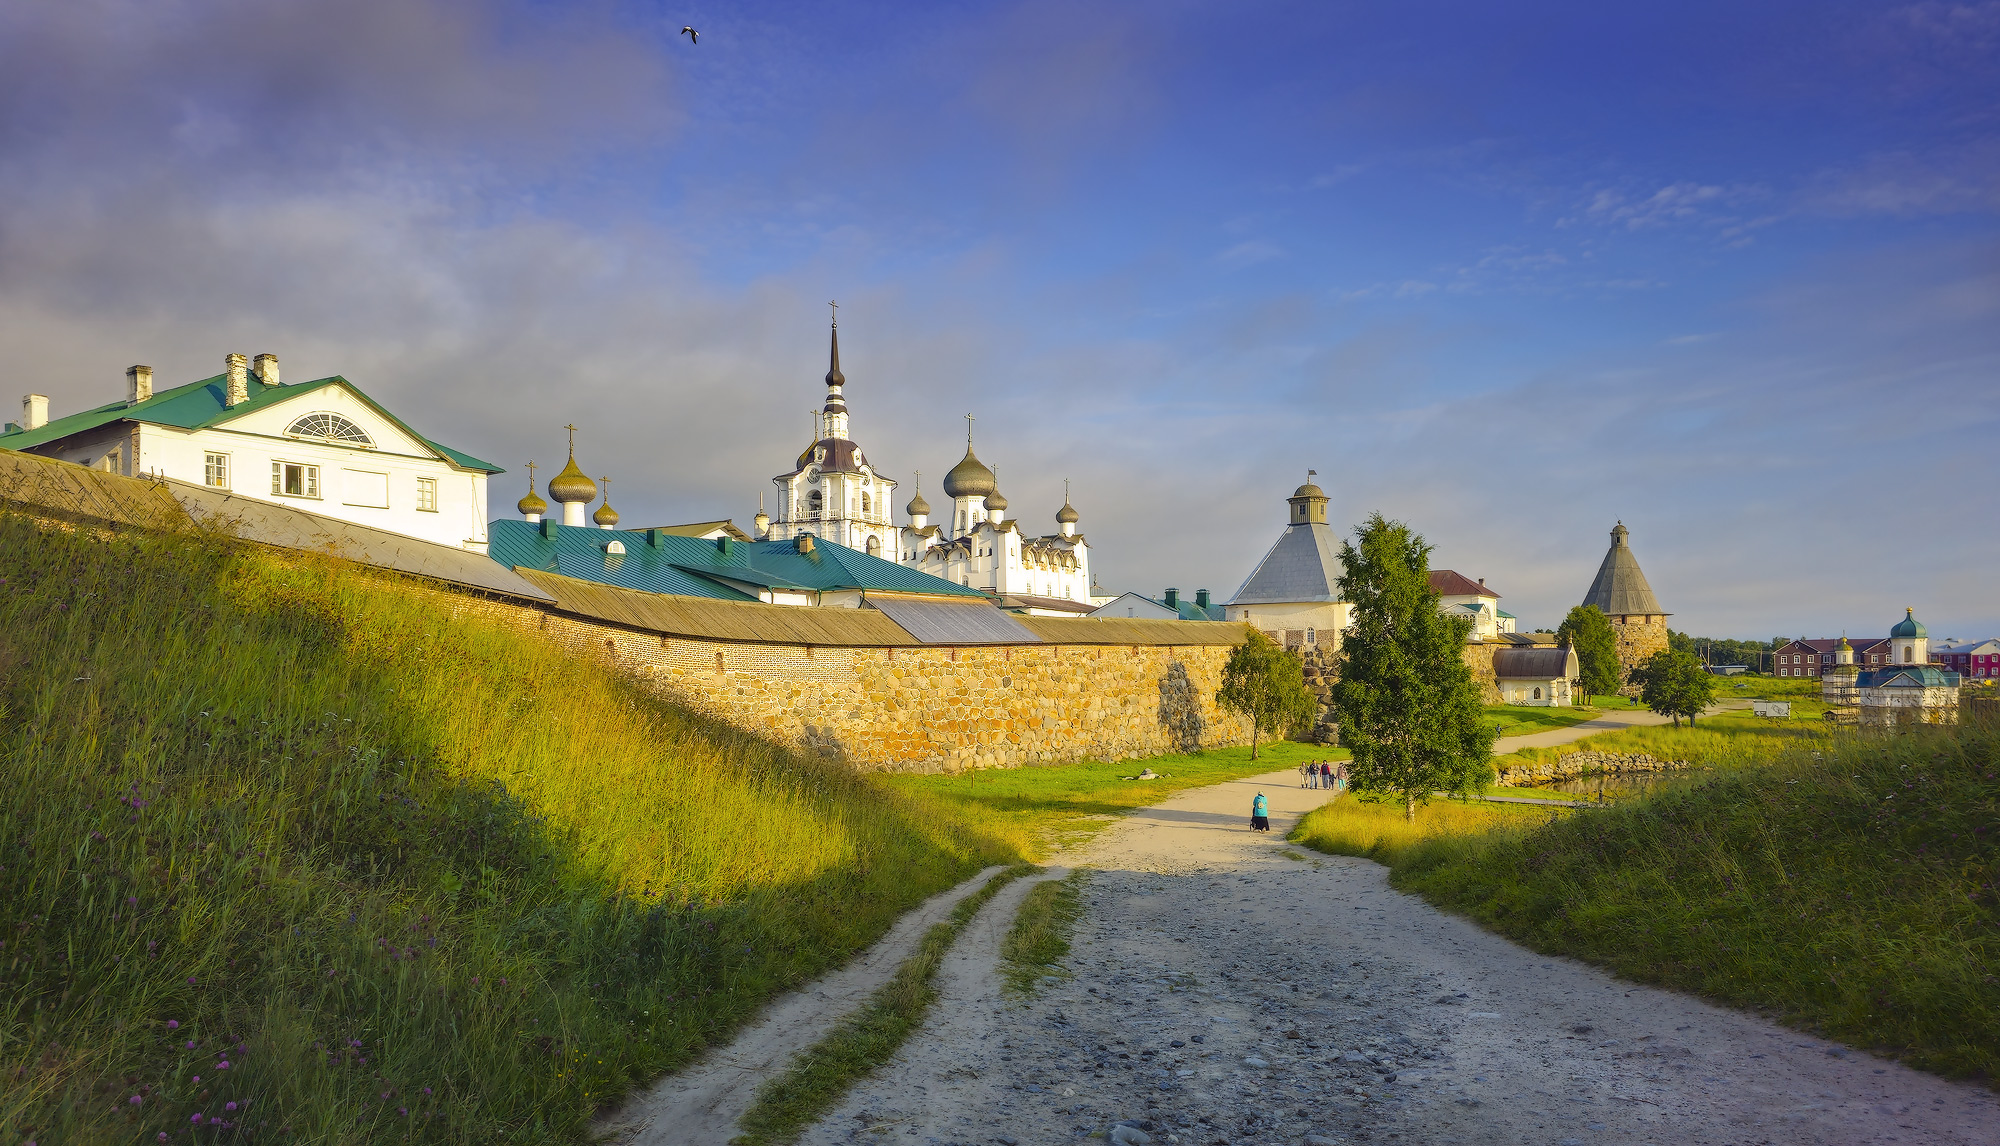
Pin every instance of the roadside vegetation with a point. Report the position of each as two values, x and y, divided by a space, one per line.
1736 737
1846 885
1522 720
1035 945
294 851
1036 810
823 1072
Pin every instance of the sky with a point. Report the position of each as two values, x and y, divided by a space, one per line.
1728 273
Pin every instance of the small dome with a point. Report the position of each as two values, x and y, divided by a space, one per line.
1843 646
1067 515
918 507
605 516
996 500
1909 626
970 478
1309 490
531 504
572 485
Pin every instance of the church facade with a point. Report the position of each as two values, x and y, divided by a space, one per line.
835 493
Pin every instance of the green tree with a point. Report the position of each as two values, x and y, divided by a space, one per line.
1408 708
1266 683
1673 682
1588 631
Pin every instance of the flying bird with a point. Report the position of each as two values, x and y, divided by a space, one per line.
693 36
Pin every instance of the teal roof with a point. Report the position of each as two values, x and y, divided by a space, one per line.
655 561
200 405
1909 626
1507 614
1909 676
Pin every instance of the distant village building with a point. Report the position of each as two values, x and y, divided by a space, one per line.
1978 660
1908 689
1293 594
1170 607
322 446
1814 656
1621 593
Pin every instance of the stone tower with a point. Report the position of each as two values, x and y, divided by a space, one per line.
1623 596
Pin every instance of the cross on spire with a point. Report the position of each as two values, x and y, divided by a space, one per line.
572 440
836 311
968 431
531 477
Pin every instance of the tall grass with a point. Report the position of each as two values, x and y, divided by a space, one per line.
1848 886
290 850
1726 740
1377 830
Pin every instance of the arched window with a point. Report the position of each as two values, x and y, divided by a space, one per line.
874 546
813 503
1538 694
865 507
1907 651
330 428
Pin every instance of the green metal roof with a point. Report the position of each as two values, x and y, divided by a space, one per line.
655 561
201 405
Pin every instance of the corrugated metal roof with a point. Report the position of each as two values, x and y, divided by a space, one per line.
1303 566
1535 664
709 619
1134 631
71 491
658 562
952 623
198 405
269 523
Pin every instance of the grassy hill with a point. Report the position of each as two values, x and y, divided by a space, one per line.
294 851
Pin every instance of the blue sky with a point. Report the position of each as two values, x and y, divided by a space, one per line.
1730 273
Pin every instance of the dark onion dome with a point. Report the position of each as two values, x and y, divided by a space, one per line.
1909 626
571 485
996 500
918 507
833 375
605 515
531 504
970 478
1067 515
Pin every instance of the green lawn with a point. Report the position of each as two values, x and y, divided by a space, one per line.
1766 688
1520 720
1039 809
1727 738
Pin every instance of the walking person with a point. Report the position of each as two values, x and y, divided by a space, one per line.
1260 814
1318 775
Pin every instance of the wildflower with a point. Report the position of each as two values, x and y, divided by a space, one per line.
223 1065
190 1044
427 1090
403 1110
163 1136
195 1118
173 1024
229 1106
197 1078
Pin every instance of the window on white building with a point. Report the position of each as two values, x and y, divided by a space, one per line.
427 494
330 428
294 479
215 470
866 504
813 504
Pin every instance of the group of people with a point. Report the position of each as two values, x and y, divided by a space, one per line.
1323 774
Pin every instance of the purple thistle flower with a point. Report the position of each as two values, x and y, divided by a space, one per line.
173 1024
229 1106
404 1111
195 1118
190 1044
136 1100
223 1065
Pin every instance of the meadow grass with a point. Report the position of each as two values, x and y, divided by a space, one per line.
1523 720
1844 884
1726 739
1035 945
375 869
1038 809
823 1072
1377 829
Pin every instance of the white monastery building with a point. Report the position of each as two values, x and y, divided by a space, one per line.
834 493
321 446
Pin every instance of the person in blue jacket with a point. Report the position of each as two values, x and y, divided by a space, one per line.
1260 814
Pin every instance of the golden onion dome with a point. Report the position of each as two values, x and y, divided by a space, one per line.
531 504
1067 515
571 485
605 516
996 500
970 478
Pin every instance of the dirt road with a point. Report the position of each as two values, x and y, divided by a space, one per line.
1226 994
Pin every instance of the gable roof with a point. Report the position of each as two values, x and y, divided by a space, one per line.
1621 587
1303 566
202 405
1909 676
655 561
1452 583
1831 644
706 529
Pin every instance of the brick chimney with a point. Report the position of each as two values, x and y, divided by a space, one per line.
138 384
236 386
266 369
34 411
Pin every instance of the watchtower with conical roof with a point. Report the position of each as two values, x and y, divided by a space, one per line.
1622 594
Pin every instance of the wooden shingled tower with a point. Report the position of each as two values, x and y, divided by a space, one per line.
1622 595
